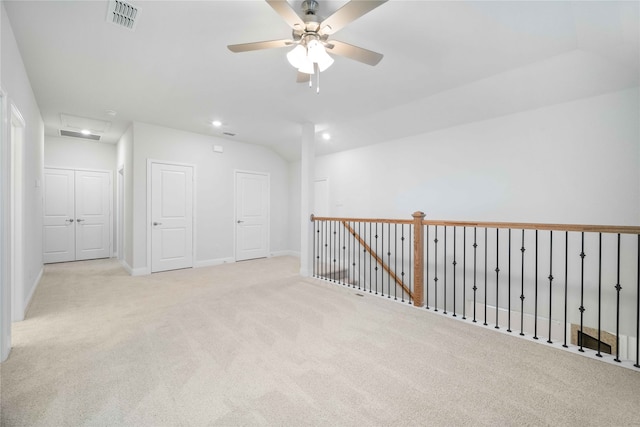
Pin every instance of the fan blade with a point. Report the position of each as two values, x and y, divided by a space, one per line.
348 13
354 52
303 77
246 47
287 13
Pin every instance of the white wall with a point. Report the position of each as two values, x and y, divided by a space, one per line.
214 186
125 160
15 83
576 162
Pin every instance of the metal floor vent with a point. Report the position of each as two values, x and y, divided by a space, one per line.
73 134
123 14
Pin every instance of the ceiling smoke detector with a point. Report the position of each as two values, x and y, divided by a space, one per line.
123 14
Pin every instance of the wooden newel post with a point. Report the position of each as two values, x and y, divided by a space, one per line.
418 259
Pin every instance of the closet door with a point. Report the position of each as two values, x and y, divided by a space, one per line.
93 209
59 215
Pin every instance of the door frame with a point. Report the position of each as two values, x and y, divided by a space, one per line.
150 163
235 209
111 215
119 249
16 193
5 230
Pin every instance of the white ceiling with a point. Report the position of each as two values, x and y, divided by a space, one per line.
445 63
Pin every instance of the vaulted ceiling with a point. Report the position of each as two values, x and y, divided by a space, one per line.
445 63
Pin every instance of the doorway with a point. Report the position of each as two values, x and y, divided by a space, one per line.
252 215
170 216
16 141
77 215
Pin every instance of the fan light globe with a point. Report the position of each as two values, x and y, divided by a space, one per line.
307 66
297 56
324 61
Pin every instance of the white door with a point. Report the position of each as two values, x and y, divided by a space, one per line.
59 215
92 214
77 214
171 217
252 215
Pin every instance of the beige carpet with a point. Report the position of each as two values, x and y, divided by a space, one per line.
254 344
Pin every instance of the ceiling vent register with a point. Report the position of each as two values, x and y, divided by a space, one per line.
123 14
73 134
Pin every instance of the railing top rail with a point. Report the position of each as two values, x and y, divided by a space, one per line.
379 220
538 226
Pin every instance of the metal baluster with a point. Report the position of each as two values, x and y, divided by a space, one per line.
444 266
410 262
566 283
381 252
370 259
344 269
509 285
333 255
349 243
426 279
618 289
464 273
435 272
395 256
485 276
599 291
582 255
475 288
389 259
550 280
497 273
325 252
454 271
535 307
522 250
376 251
637 364
315 242
402 259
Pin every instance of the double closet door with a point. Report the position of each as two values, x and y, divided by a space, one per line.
77 215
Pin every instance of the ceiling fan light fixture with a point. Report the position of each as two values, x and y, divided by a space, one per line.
307 66
297 56
324 61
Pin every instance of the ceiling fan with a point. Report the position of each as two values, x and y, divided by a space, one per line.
310 37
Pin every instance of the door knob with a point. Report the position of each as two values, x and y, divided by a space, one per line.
240 222
68 220
157 223
78 220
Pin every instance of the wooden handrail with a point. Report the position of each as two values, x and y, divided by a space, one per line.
622 229
539 226
379 220
377 258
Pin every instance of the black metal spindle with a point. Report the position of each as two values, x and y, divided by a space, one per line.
444 267
566 283
402 260
376 251
315 242
335 248
426 278
522 251
370 259
582 255
550 280
535 298
497 273
325 252
599 291
381 252
464 273
485 276
637 364
618 289
454 272
435 271
410 299
509 285
345 267
389 258
475 288
395 256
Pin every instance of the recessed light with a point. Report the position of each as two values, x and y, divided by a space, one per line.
326 136
85 132
216 123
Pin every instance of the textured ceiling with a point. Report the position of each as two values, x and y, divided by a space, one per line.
445 63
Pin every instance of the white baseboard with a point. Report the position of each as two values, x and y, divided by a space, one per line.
285 253
212 262
133 271
34 286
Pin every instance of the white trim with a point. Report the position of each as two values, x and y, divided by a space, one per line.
29 300
131 271
212 262
16 206
119 247
5 282
235 208
285 253
79 169
150 162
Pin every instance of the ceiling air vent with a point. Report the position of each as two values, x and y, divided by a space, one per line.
123 14
73 134
229 133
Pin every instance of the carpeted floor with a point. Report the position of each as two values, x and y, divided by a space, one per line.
252 343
